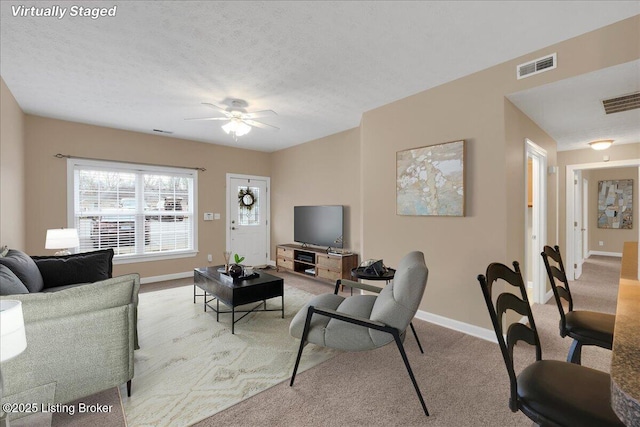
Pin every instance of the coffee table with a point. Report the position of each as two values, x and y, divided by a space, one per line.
235 292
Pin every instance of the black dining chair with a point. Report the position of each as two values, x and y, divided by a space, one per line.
549 392
585 327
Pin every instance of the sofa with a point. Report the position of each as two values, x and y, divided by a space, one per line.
80 336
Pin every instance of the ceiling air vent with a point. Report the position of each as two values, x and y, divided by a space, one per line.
537 66
622 103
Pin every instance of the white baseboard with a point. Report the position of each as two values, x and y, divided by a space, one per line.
613 254
456 325
166 277
271 263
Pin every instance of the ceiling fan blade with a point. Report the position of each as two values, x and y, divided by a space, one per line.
257 114
215 107
260 125
211 118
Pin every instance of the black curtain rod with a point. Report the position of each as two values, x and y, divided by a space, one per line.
67 156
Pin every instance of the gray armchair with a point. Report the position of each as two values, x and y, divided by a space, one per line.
365 322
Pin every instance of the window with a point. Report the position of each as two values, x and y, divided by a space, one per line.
140 211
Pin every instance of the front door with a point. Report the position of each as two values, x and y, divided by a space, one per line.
248 218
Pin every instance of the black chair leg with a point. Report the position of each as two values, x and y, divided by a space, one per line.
416 335
305 332
396 336
129 388
575 353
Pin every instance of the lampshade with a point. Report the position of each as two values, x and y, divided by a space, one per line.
601 144
62 238
237 127
13 339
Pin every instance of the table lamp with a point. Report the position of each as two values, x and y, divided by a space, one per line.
13 339
62 238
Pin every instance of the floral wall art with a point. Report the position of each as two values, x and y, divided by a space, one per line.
615 204
430 180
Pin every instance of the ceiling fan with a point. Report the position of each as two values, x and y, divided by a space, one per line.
240 121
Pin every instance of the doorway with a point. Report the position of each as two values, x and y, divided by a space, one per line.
536 219
573 251
248 218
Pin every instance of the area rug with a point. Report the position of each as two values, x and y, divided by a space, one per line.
190 367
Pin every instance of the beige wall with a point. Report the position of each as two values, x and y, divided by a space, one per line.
613 240
357 168
471 108
518 127
46 180
12 173
321 172
587 156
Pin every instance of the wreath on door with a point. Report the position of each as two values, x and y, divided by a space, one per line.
246 198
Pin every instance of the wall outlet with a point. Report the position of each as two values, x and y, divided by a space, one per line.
208 216
600 243
210 258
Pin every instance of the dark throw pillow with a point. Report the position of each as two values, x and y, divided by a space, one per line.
86 267
23 266
9 282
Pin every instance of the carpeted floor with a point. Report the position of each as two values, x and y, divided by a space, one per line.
463 379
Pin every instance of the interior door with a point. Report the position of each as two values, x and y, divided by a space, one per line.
536 215
247 219
585 219
577 224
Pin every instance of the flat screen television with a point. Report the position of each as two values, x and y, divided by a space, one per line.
318 225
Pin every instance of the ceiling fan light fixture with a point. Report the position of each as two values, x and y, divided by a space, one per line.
601 144
236 127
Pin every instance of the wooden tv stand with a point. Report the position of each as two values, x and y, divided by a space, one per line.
315 262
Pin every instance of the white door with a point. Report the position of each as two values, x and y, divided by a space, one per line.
585 219
248 218
577 225
537 237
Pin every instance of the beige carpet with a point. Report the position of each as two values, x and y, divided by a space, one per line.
463 379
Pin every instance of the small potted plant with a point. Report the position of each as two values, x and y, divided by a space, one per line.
235 270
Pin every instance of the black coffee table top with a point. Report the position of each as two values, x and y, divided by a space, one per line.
213 274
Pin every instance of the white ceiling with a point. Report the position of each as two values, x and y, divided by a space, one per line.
319 65
571 110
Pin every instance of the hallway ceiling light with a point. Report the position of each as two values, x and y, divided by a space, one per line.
601 144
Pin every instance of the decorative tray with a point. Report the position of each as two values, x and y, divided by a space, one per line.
226 277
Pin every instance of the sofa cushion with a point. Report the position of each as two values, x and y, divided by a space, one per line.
25 268
9 282
86 267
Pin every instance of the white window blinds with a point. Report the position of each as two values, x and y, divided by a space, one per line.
138 210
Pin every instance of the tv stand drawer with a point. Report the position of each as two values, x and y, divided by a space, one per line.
285 252
325 273
284 263
329 262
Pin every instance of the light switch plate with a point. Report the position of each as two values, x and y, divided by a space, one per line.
216 216
208 216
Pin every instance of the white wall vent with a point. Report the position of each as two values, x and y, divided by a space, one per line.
537 66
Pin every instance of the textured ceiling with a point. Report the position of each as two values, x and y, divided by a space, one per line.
319 65
571 110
